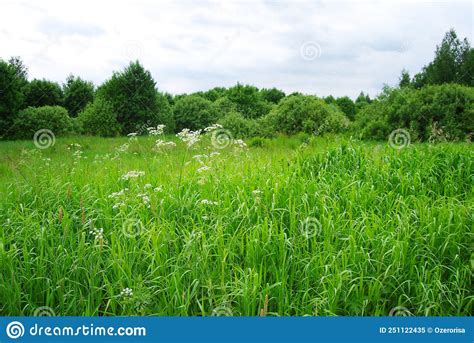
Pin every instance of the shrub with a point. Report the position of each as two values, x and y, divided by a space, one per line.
164 115
193 112
249 101
99 118
347 106
437 110
272 95
43 93
257 142
32 119
238 125
222 107
300 113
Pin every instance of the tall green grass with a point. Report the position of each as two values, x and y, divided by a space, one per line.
329 227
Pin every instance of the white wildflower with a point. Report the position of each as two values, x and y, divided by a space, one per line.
97 233
156 131
163 144
123 148
132 174
158 189
148 185
209 202
145 199
239 143
213 127
118 194
127 292
189 137
203 169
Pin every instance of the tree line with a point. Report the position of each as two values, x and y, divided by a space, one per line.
436 102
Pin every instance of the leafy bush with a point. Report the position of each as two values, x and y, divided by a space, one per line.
193 112
437 110
300 113
43 93
99 118
272 95
222 107
164 114
249 101
32 119
347 106
257 142
238 125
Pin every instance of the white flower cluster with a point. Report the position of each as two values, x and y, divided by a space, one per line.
203 169
213 127
118 194
74 146
132 174
189 137
98 234
239 143
156 131
145 199
127 292
123 148
163 144
209 202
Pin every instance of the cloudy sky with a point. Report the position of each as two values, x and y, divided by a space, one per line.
316 47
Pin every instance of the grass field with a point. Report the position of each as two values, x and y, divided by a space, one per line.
326 227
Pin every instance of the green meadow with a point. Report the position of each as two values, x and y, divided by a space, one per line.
300 225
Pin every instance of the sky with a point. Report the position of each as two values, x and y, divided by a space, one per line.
314 47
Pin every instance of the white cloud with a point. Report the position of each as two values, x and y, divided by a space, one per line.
195 45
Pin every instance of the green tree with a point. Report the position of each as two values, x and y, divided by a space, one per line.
329 99
452 63
222 107
132 94
40 93
20 68
347 106
77 94
248 101
272 95
11 97
404 80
